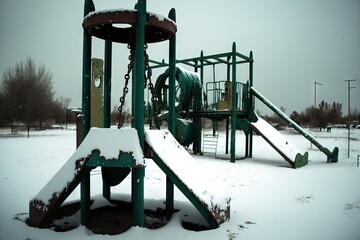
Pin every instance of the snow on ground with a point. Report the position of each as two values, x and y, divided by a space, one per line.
269 200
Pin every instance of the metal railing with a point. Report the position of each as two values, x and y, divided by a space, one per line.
219 96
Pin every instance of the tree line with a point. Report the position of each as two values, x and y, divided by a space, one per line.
322 116
27 97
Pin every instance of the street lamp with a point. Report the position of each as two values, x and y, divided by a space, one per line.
315 83
349 87
314 110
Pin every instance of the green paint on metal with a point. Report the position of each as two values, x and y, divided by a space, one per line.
139 69
106 191
233 108
85 197
107 103
187 83
85 128
137 179
251 104
301 160
138 101
86 74
169 198
124 160
113 176
172 59
107 84
244 125
332 157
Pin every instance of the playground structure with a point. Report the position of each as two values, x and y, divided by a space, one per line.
197 99
120 152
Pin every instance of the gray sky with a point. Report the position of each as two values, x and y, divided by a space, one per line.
295 43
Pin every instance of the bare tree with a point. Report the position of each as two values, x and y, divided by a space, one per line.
27 93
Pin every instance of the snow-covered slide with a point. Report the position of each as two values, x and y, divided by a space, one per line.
332 156
101 147
213 204
279 142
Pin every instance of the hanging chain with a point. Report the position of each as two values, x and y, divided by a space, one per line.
121 117
148 83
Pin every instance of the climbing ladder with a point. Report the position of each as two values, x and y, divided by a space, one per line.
210 142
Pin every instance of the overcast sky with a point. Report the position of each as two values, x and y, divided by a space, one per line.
295 43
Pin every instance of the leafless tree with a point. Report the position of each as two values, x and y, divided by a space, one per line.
27 93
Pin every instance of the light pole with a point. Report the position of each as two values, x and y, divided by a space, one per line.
315 83
349 87
314 110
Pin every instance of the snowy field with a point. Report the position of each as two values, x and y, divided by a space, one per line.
269 200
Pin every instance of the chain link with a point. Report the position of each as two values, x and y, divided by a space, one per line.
150 85
120 116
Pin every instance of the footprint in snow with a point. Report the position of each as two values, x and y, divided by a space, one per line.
352 209
305 199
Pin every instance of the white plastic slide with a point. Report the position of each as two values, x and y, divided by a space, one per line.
280 143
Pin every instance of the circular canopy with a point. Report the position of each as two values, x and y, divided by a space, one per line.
119 26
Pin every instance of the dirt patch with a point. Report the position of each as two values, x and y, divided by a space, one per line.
111 220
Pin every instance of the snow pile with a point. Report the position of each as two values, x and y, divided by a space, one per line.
183 164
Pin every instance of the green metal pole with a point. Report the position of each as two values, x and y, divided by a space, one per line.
214 122
85 197
86 74
202 68
107 83
133 106
252 103
85 128
107 101
227 119
233 108
197 120
139 173
172 62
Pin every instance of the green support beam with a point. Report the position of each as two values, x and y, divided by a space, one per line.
251 107
86 74
171 121
233 107
85 128
107 101
138 101
107 83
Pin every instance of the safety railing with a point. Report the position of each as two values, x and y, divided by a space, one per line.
219 96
